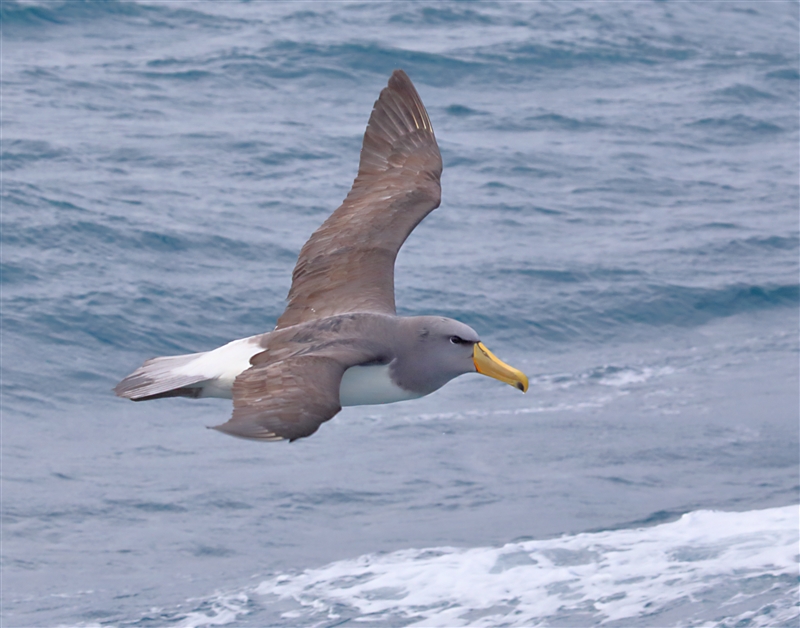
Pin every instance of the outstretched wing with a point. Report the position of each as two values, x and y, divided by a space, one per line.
289 399
348 263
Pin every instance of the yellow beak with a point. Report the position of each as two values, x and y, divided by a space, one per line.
486 363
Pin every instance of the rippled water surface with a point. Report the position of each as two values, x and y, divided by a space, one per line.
619 220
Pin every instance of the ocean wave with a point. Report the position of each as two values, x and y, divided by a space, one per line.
713 566
708 568
579 307
38 15
549 121
737 129
94 236
741 93
785 74
20 153
754 245
587 54
428 67
285 59
19 14
443 16
685 305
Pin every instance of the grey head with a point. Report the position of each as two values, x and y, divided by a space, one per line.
433 350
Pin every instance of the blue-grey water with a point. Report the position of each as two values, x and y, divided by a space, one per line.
619 220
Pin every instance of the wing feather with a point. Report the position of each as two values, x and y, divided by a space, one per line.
282 400
348 263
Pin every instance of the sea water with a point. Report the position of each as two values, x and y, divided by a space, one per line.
619 220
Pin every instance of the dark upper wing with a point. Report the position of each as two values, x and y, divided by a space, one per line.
286 399
348 263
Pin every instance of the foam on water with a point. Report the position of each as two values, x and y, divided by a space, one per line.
705 569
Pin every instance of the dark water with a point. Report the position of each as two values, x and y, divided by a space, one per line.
619 220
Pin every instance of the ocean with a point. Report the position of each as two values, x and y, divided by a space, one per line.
619 220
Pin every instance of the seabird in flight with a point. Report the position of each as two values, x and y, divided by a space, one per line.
340 342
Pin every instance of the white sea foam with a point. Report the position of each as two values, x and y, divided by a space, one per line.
720 569
629 375
607 375
706 569
221 610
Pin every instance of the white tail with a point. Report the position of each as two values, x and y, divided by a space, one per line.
207 374
162 377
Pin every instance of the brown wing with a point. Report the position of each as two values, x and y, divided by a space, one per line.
287 399
348 263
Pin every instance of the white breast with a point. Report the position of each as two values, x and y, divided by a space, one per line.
365 385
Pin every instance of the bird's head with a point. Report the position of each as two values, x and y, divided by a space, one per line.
444 348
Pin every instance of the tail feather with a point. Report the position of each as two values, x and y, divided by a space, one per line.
162 377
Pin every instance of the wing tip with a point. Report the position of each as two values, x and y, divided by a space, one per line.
399 79
402 105
398 126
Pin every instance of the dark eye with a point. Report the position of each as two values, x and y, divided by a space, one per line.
456 340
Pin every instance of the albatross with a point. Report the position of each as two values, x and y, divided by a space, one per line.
340 342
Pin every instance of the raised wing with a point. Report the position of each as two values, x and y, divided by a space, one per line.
348 263
282 400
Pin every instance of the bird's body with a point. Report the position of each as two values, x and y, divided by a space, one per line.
373 340
340 342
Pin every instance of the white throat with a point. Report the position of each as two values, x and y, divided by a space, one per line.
366 385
